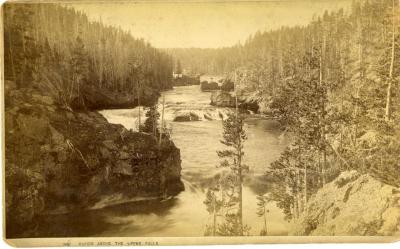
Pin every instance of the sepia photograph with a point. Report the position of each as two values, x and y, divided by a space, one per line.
171 122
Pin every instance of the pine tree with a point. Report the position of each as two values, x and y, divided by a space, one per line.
151 123
21 50
35 34
262 212
163 130
79 73
214 206
233 137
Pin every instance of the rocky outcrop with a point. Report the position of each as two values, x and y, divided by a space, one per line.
352 204
186 117
186 81
57 160
212 86
226 99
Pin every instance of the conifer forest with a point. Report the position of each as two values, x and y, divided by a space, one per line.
138 119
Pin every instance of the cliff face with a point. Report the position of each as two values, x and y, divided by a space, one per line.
353 204
58 161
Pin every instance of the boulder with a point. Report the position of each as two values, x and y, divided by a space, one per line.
186 117
212 86
186 81
352 204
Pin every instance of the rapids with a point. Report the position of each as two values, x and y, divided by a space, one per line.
198 142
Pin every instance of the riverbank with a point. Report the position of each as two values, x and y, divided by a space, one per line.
352 205
66 161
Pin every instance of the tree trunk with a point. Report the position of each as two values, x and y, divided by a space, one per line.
322 118
388 109
162 120
138 96
296 204
239 161
298 192
214 232
10 44
239 164
305 188
265 221
24 61
361 81
240 211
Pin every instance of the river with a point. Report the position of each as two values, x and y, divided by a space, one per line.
186 215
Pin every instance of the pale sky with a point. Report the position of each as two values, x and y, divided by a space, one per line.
205 24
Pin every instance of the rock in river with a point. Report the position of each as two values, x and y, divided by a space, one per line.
186 117
205 86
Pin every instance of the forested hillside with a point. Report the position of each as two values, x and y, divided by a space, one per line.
61 156
206 60
333 85
353 44
82 63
